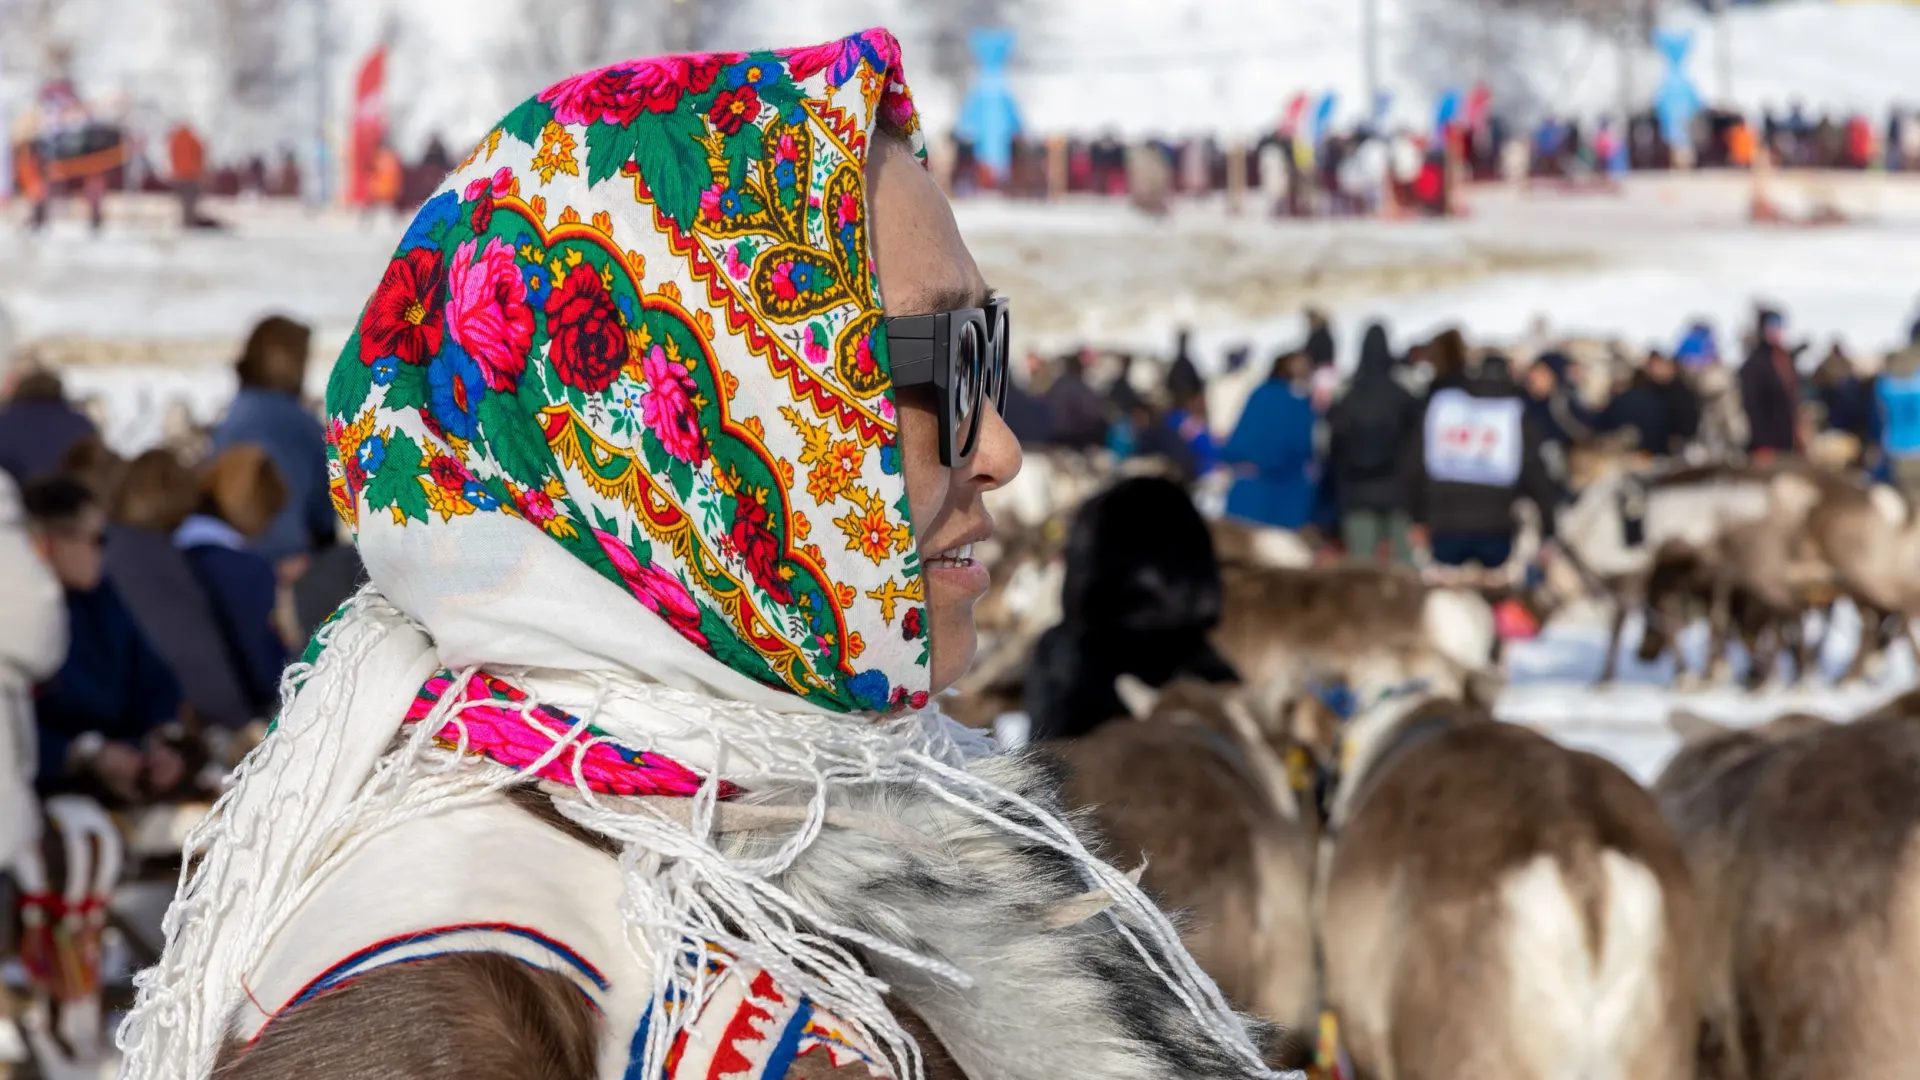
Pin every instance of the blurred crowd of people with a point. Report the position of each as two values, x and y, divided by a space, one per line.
1368 168
1422 453
50 167
1361 169
187 577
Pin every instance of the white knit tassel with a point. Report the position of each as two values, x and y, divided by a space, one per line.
174 1029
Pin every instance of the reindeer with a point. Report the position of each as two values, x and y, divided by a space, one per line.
1805 835
1219 810
1240 543
1621 523
1702 791
1284 627
1496 905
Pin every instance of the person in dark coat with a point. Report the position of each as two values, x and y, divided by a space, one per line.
38 427
1552 403
1319 345
1122 398
1849 400
1659 406
1074 410
1478 453
1141 595
1145 433
99 718
239 496
1026 414
1183 377
1371 428
268 413
163 594
1770 392
1273 448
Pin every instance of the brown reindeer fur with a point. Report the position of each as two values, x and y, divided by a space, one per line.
1224 838
1825 538
476 1016
1827 950
1237 543
1366 623
1685 580
1432 975
1702 792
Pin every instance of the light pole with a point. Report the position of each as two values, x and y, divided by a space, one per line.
322 60
1370 50
1723 51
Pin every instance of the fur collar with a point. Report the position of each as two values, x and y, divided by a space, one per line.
1048 1002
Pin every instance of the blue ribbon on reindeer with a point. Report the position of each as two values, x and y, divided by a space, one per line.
1336 696
988 117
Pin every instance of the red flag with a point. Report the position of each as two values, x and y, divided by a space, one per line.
1478 103
369 125
1290 120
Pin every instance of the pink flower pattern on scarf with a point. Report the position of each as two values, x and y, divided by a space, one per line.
659 590
668 408
487 311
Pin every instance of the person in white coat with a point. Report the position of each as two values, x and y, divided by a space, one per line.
33 643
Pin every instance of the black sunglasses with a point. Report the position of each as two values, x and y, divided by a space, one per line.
962 354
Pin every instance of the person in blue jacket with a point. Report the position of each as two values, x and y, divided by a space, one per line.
268 412
240 494
1272 448
99 717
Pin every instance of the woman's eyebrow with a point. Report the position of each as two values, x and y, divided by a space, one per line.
953 298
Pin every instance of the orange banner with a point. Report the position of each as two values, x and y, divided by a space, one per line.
369 126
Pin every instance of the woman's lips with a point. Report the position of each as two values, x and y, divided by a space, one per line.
956 568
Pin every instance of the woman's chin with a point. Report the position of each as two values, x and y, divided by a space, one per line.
952 652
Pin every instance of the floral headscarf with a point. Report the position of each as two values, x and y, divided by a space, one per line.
640 325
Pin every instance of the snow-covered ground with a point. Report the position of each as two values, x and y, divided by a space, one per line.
1550 688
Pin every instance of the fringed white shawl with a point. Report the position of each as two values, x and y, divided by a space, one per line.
339 769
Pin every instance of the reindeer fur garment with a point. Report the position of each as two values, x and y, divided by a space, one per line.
1047 1001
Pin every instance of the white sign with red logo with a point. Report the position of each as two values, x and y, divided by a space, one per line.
1472 440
